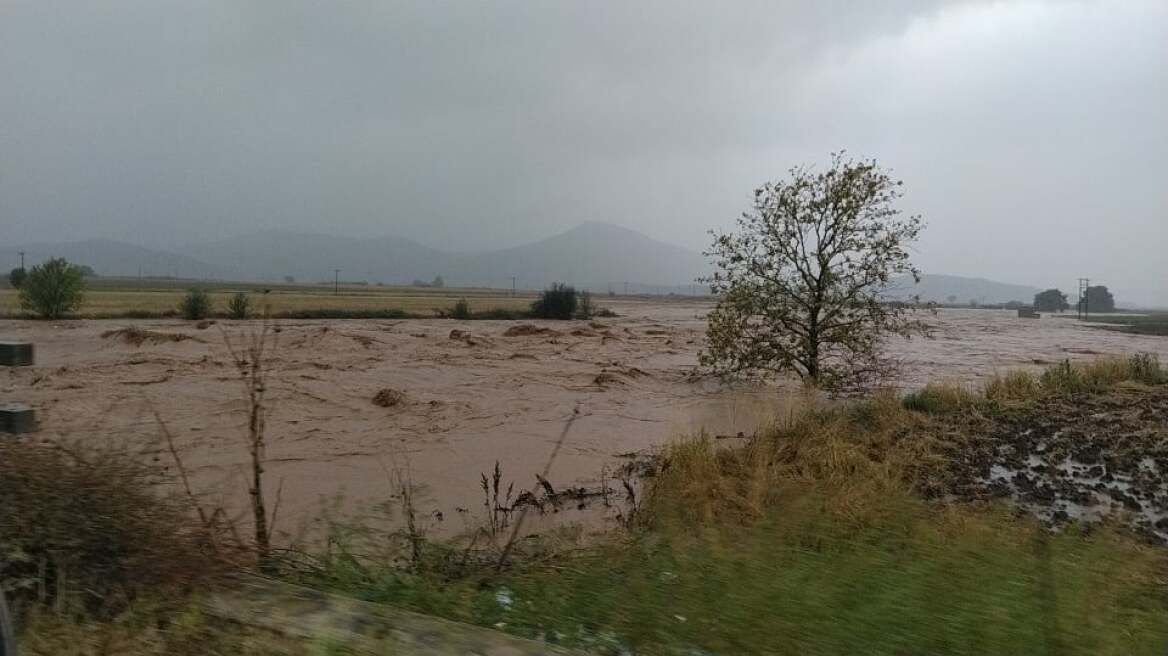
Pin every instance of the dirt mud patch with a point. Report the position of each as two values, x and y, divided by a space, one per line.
529 330
139 336
1083 457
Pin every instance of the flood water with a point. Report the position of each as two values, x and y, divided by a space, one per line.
631 383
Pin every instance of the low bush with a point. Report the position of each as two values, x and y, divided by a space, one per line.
196 305
557 302
86 528
239 307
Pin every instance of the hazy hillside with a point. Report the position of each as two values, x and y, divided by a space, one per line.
940 288
590 255
274 254
109 258
594 256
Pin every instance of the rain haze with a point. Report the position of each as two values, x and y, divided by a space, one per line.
1030 135
549 327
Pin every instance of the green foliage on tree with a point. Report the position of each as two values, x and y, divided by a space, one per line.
801 282
16 277
1051 300
52 289
1099 299
557 302
195 305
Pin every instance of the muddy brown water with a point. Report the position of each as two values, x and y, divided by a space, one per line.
465 402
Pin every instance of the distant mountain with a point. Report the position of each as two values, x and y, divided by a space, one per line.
273 254
109 258
941 288
597 256
591 256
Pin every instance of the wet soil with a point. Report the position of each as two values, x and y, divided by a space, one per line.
1082 457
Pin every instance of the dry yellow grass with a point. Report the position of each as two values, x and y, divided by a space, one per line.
110 300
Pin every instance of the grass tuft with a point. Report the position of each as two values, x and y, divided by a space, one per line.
942 398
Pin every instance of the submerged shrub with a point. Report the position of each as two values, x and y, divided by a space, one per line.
239 306
557 302
461 310
195 305
53 289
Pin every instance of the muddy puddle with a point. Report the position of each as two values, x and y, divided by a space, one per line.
1082 459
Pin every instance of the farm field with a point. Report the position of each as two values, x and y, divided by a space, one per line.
113 297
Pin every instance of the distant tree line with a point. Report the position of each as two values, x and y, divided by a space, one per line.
1098 299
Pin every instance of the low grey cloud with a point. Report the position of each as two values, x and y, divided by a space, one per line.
1031 135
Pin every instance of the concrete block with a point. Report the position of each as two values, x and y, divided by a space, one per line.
16 418
15 354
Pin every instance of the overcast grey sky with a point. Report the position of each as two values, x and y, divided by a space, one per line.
1033 136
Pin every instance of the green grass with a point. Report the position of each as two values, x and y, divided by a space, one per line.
820 572
809 579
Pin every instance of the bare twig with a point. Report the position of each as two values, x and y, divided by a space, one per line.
178 463
276 508
546 470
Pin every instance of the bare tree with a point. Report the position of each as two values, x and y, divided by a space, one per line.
802 281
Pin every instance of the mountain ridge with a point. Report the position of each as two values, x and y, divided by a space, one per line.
592 255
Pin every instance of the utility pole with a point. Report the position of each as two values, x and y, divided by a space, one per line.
22 260
512 285
336 282
1084 304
